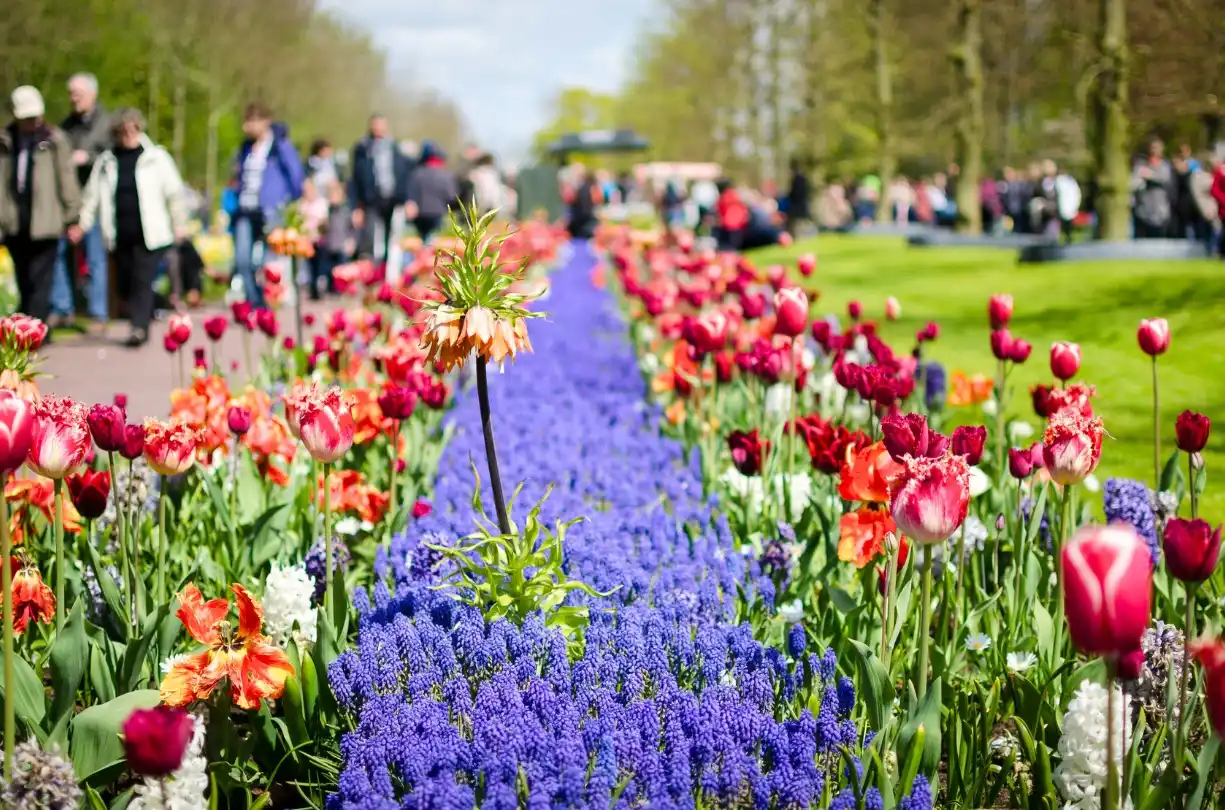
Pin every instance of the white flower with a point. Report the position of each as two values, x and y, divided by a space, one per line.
170 662
858 413
747 488
830 394
990 408
976 535
1081 773
798 485
347 526
979 482
182 790
791 612
1019 662
808 358
287 600
778 400
1092 484
978 642
1020 430
728 678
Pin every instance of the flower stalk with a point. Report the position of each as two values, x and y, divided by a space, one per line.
491 450
60 559
327 535
6 582
163 542
925 620
1157 435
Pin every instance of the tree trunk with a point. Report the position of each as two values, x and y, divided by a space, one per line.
155 97
179 133
884 109
967 57
1109 109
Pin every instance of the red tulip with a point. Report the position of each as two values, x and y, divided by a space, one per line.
708 331
170 448
1001 344
1192 548
1211 655
239 419
308 319
288 343
969 442
1019 351
1076 397
855 310
909 435
89 491
155 740
791 312
1065 359
16 431
822 330
1154 336
748 451
397 402
421 509
999 310
724 366
1020 463
23 332
1041 395
121 402
179 327
60 437
170 344
241 311
1072 446
1107 577
106 423
807 264
1192 430
215 327
930 498
272 274
133 442
265 319
434 394
753 306
325 424
199 358
928 333
1130 666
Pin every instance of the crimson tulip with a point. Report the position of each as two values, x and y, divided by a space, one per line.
133 442
1154 336
791 312
969 442
421 509
170 344
1192 548
1001 344
239 419
1192 430
999 310
1019 351
807 264
397 402
106 423
215 327
855 310
89 490
1130 666
748 451
1065 359
753 306
1041 395
155 740
1107 580
265 319
909 435
179 327
121 402
708 332
1020 463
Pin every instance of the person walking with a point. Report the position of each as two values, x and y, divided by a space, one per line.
381 173
432 190
487 188
135 197
40 197
799 198
269 175
1152 181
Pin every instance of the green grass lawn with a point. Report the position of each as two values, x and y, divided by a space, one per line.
1095 304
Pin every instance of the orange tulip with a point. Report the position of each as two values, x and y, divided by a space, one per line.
861 535
965 390
32 598
256 670
866 474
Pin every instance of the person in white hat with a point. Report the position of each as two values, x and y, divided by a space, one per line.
39 197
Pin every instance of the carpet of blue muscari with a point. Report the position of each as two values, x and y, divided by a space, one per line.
671 704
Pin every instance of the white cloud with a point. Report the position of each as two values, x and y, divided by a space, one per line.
503 61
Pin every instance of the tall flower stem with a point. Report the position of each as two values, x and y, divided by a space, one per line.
125 566
6 582
138 582
1180 740
1000 456
61 561
1156 433
887 604
925 620
1111 800
1065 533
1191 485
327 535
491 451
395 462
234 552
163 542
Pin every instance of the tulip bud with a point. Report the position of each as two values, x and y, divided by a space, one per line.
1107 579
1065 359
16 431
1154 336
155 740
893 309
106 423
807 264
1001 344
170 344
179 327
89 491
969 442
133 442
1192 548
999 311
121 402
1192 430
855 310
1019 352
1020 463
748 451
265 319
215 327
791 311
1041 395
239 419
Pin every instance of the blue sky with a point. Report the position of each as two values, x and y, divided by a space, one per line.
502 61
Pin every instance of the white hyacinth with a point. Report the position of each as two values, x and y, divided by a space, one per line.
1081 774
185 788
778 400
287 600
791 612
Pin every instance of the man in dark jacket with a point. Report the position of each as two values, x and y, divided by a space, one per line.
268 174
381 172
89 131
432 190
799 197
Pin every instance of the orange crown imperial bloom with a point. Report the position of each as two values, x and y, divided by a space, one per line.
170 448
256 670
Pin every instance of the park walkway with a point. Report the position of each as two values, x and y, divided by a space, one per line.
96 369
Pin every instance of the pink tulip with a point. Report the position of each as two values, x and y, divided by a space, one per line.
1154 336
16 431
999 311
60 438
1072 446
708 331
893 309
807 264
1065 359
1107 577
791 312
929 499
179 327
326 425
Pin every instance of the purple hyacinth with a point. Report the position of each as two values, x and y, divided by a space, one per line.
316 568
934 385
1131 502
797 640
920 797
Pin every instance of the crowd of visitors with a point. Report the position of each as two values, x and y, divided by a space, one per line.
96 191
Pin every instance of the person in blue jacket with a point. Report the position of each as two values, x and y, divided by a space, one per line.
268 175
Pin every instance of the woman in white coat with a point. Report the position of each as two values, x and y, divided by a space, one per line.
136 194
